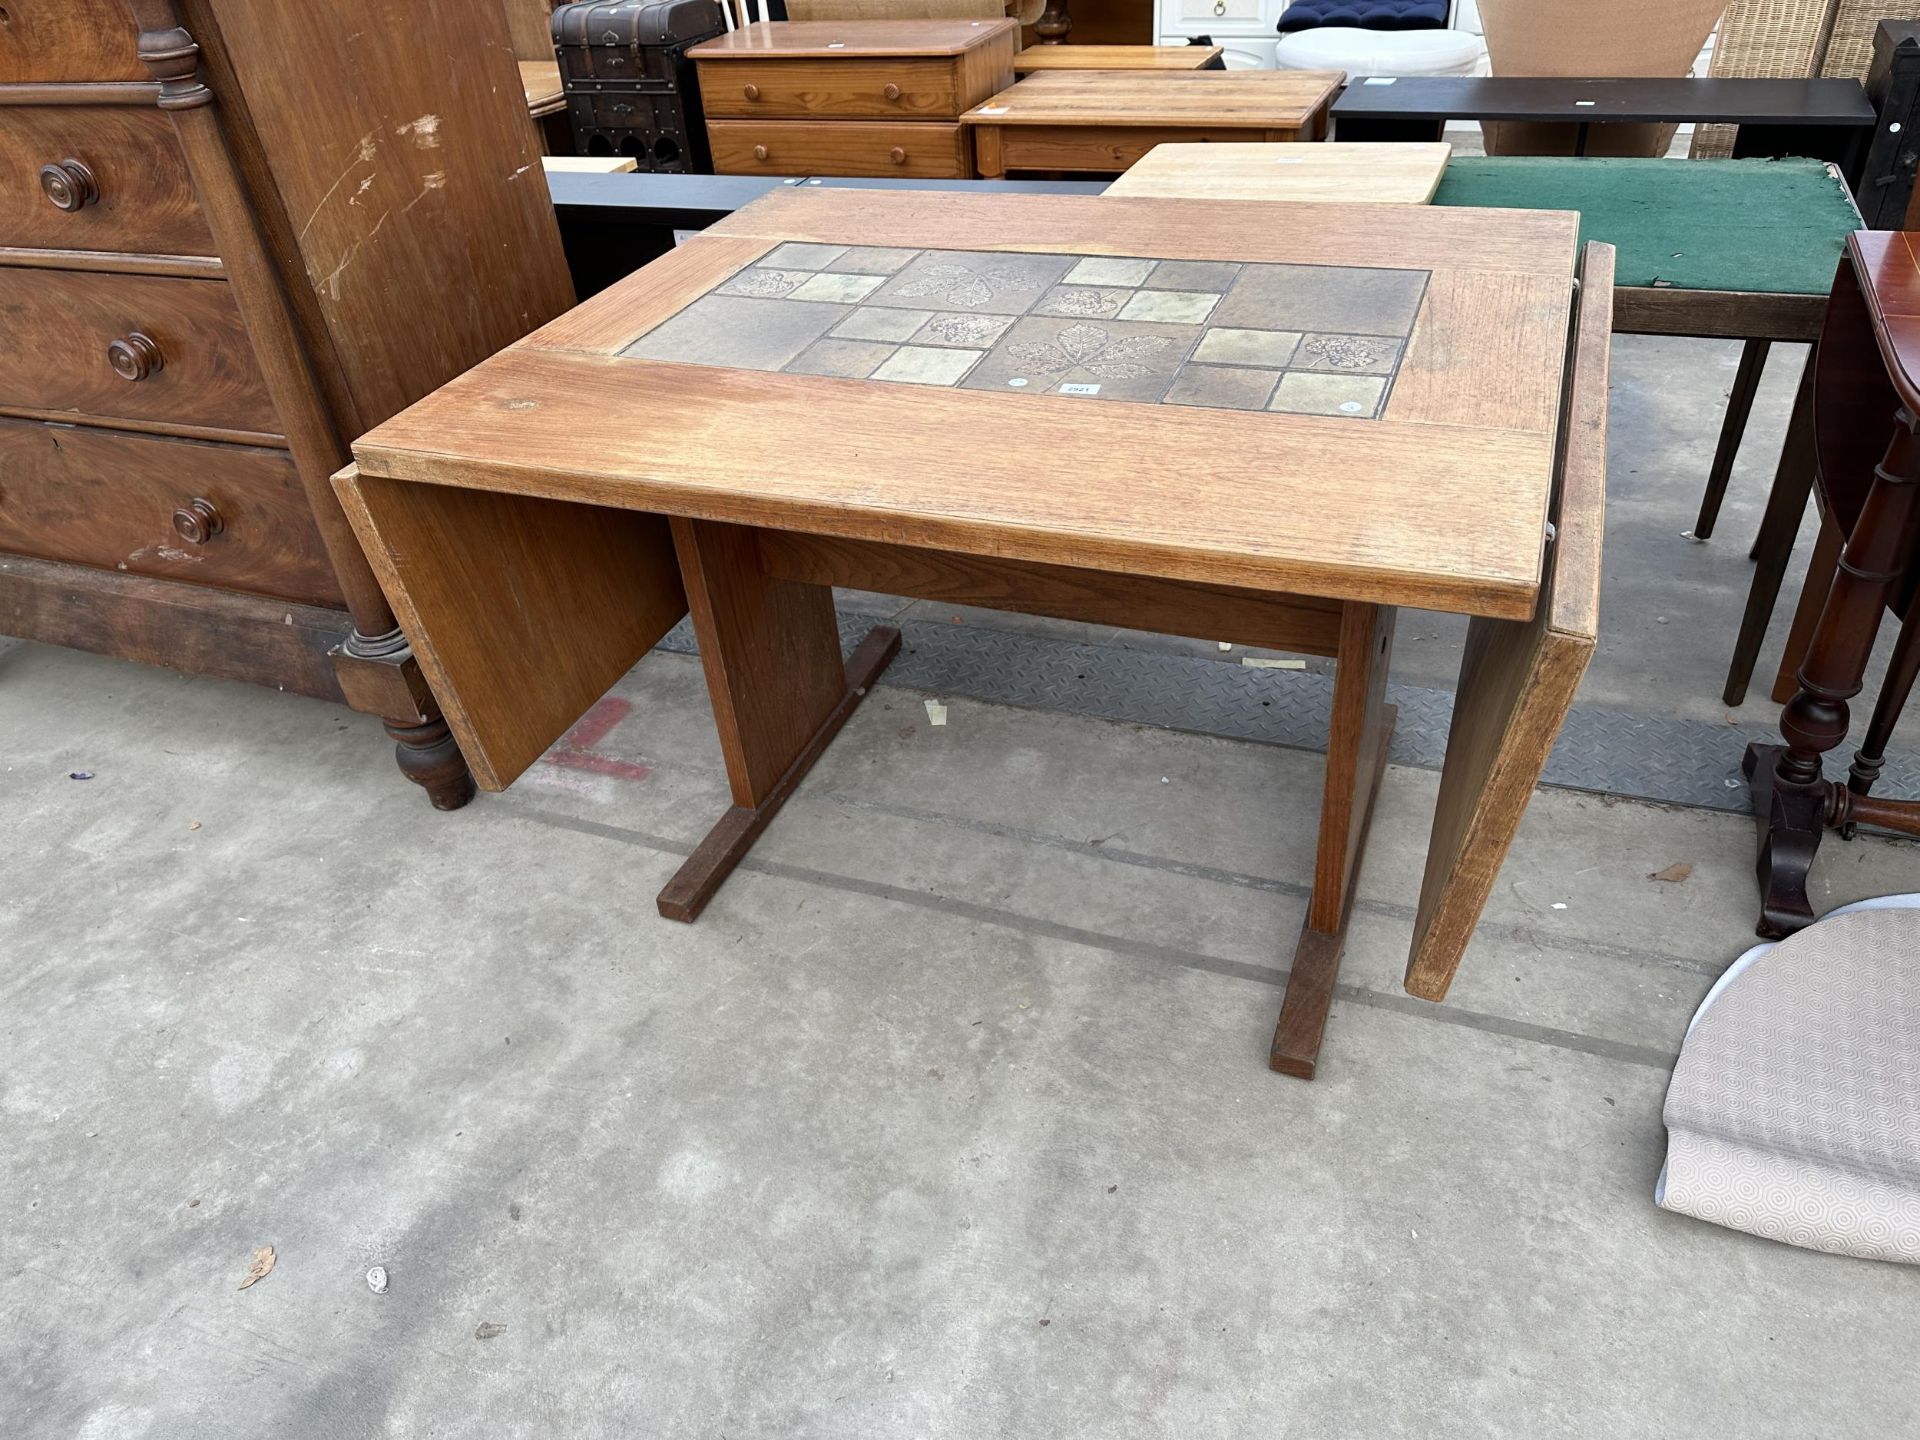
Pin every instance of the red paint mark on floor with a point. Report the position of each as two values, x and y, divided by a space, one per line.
599 764
597 723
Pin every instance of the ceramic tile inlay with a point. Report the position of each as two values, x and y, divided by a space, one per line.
1219 335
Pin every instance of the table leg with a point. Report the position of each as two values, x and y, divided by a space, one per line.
1362 725
1793 800
1786 504
1806 613
1746 380
1903 669
1055 23
780 691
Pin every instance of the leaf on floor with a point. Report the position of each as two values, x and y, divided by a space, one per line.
936 713
1674 873
262 1266
487 1329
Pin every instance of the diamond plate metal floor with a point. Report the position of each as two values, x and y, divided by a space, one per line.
1643 757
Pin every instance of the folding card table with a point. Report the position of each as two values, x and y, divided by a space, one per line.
1265 423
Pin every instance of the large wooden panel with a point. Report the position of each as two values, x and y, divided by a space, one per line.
1263 99
61 324
145 198
851 89
523 612
1517 679
106 498
405 197
68 40
1384 174
918 150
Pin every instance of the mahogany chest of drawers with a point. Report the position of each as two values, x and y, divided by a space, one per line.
855 97
234 234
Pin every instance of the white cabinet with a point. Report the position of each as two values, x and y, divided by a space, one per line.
1246 29
1245 54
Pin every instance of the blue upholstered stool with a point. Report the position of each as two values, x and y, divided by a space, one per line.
1365 14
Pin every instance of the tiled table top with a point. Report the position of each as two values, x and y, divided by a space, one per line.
1301 339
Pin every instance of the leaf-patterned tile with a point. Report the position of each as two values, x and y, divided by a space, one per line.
1349 354
980 282
1103 359
763 283
1082 301
971 332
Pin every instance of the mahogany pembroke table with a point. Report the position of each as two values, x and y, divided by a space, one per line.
1264 423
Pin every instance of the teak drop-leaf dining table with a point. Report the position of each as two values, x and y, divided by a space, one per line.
1263 423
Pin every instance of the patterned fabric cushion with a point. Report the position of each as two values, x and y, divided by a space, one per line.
1365 14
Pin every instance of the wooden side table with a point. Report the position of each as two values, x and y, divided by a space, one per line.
1326 173
1102 121
1119 57
1866 437
1413 400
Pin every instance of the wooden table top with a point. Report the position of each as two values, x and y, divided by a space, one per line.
1889 273
1384 174
1115 57
826 39
1733 101
1279 99
1054 438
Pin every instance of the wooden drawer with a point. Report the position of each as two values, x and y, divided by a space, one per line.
119 164
840 147
105 498
63 328
68 40
857 89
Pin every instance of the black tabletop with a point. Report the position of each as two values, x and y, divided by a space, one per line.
1519 97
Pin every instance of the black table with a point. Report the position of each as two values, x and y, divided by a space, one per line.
1820 119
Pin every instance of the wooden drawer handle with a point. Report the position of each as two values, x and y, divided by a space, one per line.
198 521
759 152
135 357
752 92
892 92
897 155
69 185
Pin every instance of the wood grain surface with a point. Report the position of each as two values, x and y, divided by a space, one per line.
63 322
146 202
1276 99
831 39
48 40
914 149
854 88
1332 173
105 498
1115 57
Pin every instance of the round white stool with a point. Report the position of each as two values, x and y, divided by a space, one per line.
1381 52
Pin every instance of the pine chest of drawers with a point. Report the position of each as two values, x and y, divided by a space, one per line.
233 235
856 97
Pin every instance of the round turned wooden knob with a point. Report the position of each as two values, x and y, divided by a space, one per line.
198 521
69 185
752 92
897 155
892 92
759 152
134 357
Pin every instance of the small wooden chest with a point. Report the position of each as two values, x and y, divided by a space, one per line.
855 97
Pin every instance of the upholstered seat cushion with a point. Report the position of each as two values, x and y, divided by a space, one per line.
1365 14
1365 53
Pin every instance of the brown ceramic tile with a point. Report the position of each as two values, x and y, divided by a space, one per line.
1222 388
979 282
1082 301
850 359
1101 359
1350 354
923 365
968 332
738 331
796 255
1336 299
1223 345
867 323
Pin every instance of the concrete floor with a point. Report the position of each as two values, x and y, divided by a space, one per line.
948 1119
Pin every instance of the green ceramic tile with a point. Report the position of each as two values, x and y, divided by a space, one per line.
872 260
841 289
1336 299
737 330
851 359
1223 345
1172 307
867 323
1214 275
797 256
1222 388
1352 354
1305 392
1110 270
974 332
923 365
1082 301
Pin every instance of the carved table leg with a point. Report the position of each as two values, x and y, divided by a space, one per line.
771 652
1356 757
378 672
1894 691
1054 23
1791 795
1773 547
